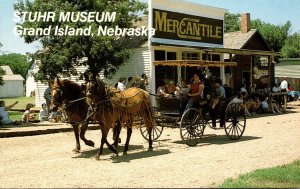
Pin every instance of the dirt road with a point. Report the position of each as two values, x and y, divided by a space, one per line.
48 160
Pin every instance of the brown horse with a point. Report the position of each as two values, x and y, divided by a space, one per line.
111 106
68 94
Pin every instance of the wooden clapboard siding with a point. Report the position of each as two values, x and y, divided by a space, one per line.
41 87
138 64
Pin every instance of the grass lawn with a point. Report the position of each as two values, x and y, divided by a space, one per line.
22 101
15 116
286 176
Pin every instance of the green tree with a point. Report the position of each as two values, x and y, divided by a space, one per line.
291 49
62 53
275 36
2 72
232 22
17 62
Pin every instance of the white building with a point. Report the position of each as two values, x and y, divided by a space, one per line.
13 84
182 30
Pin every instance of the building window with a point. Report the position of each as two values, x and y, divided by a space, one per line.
163 74
211 57
159 55
190 55
171 56
216 57
206 56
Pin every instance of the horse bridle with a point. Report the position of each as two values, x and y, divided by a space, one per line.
64 104
56 99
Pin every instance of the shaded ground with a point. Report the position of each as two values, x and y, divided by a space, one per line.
47 160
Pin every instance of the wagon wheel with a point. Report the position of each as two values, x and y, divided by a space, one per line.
157 129
192 127
235 121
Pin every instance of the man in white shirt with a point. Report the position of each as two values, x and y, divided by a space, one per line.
121 84
284 85
283 88
244 89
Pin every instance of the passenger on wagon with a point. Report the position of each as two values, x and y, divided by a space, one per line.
195 94
168 90
183 89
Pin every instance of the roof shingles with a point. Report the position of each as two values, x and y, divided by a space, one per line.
236 40
9 75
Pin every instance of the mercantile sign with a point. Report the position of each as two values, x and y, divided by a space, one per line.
178 26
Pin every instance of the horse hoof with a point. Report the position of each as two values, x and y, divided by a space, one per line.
124 153
90 143
115 146
76 150
97 157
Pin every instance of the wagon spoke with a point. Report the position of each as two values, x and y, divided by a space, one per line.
230 129
241 126
159 129
146 133
185 133
229 125
236 132
155 131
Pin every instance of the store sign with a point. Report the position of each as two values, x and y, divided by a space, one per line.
178 26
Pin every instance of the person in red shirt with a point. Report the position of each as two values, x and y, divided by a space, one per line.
195 94
290 87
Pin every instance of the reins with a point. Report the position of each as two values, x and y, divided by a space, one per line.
70 103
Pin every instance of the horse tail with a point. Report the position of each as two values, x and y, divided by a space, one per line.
148 112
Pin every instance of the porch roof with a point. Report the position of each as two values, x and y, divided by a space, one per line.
193 63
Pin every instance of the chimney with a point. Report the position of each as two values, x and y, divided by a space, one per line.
245 22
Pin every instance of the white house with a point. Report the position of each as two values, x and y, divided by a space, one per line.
13 84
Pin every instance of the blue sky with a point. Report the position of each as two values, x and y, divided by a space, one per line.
276 12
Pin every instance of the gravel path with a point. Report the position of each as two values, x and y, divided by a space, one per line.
47 160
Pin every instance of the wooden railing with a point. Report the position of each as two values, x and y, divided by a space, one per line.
280 94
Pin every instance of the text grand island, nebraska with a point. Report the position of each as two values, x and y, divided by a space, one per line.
87 31
72 17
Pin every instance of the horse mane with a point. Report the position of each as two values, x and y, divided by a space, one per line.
71 84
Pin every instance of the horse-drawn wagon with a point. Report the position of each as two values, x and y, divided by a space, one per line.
194 121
